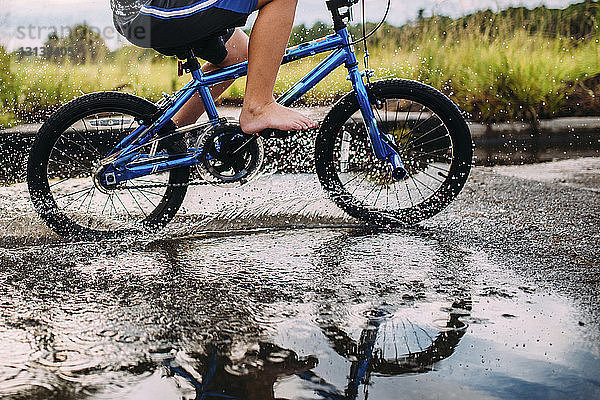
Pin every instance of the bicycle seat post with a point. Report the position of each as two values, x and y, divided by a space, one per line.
192 61
190 65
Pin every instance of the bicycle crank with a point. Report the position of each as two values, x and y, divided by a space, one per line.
229 156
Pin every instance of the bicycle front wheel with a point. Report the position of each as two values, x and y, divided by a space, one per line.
66 154
433 141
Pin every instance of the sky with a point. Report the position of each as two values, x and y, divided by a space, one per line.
28 23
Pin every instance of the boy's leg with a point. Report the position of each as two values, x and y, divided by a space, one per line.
237 51
268 40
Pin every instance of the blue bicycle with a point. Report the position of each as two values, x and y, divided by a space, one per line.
391 151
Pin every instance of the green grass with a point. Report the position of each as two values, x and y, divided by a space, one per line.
520 77
510 66
42 86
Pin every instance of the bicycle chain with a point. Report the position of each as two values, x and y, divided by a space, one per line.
195 183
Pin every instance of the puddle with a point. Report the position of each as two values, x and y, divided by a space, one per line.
280 201
302 314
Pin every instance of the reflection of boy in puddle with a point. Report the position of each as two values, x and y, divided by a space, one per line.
251 377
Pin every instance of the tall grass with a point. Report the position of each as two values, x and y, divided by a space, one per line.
42 86
7 89
516 77
515 65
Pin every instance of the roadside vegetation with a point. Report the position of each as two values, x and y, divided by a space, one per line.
517 64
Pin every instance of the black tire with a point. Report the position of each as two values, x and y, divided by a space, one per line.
63 151
343 150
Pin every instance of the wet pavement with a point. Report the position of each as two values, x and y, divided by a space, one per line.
269 291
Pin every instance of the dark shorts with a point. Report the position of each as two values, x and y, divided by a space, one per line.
205 33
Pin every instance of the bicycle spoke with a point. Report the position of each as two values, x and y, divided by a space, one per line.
146 197
436 167
75 199
431 190
377 112
429 141
406 120
405 338
357 186
371 191
387 197
85 198
65 165
90 202
416 127
395 342
419 118
355 177
137 202
85 167
417 187
426 333
97 123
378 194
71 194
59 182
423 135
105 204
428 153
432 177
409 196
416 336
386 111
396 116
112 203
94 150
396 194
149 192
125 208
85 125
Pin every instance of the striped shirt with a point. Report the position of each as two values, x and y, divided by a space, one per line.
126 10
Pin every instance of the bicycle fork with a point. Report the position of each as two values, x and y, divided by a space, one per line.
380 144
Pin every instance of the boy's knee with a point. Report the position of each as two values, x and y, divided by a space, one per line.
237 49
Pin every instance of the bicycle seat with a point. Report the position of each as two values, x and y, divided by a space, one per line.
211 49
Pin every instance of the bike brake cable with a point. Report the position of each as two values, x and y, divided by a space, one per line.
364 32
365 37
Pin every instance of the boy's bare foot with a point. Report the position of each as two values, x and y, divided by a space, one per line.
273 116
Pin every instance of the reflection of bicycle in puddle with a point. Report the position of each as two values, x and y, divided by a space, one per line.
388 346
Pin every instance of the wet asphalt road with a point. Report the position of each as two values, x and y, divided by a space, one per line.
497 297
541 220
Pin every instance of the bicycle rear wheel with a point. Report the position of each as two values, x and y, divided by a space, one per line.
66 154
433 141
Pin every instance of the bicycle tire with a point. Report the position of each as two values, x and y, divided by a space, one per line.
406 94
46 144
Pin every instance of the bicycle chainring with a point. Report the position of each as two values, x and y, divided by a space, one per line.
229 156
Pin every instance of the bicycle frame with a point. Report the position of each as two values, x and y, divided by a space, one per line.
116 164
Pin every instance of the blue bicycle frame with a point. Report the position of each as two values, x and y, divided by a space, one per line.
120 165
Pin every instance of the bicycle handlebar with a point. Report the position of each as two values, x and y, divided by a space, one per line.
334 7
340 3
